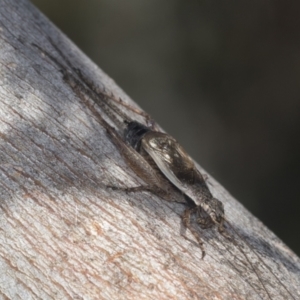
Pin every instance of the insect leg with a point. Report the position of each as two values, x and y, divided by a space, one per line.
113 105
186 219
203 219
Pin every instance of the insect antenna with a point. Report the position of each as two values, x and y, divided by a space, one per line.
234 241
99 98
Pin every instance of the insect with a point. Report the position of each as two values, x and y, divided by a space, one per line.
156 157
180 170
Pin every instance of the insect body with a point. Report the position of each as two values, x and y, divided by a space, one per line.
180 170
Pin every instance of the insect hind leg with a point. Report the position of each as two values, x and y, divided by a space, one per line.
115 101
186 219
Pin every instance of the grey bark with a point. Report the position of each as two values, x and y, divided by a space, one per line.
64 235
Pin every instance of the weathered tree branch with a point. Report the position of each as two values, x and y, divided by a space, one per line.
64 235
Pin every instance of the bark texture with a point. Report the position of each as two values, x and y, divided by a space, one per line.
64 235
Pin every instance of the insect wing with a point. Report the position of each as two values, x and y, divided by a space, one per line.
174 163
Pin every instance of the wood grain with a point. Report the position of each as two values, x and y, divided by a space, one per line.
64 235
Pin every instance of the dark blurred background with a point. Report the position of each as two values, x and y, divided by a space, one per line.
220 76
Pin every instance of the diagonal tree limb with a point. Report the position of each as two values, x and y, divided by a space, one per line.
64 235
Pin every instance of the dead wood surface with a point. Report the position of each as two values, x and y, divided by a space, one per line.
64 235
